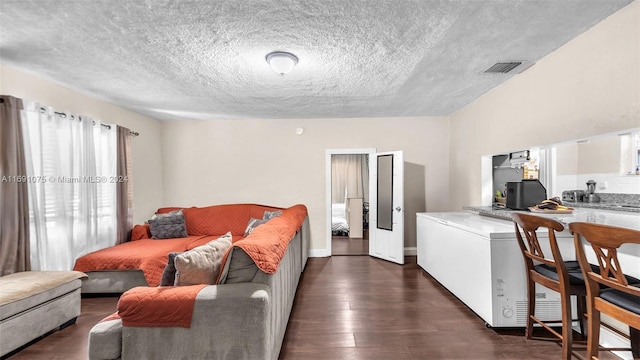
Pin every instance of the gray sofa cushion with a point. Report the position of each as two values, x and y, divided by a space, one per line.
105 340
241 268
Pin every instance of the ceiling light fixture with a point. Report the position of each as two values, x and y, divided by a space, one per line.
282 62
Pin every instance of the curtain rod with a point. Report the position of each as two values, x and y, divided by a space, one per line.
72 117
132 133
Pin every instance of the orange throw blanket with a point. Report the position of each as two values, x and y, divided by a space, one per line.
163 306
128 256
267 243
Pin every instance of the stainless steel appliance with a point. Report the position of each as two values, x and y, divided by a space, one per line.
573 195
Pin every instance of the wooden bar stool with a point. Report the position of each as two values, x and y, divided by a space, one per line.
554 273
610 291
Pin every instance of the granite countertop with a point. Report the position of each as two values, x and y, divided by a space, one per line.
493 211
605 206
629 219
611 201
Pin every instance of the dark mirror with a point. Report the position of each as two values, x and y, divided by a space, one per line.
385 192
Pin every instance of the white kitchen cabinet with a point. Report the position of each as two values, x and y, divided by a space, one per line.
477 258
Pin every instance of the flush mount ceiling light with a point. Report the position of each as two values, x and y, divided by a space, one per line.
281 62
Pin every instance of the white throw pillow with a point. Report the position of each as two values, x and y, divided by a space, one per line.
201 265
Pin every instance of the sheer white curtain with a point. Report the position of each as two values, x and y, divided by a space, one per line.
71 167
349 177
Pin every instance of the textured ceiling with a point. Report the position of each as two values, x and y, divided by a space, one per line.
205 59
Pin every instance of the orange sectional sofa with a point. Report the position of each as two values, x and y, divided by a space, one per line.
243 315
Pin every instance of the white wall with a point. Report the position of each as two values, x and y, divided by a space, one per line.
589 86
600 160
264 161
147 154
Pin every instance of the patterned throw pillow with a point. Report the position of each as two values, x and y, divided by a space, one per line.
202 264
271 214
168 226
253 223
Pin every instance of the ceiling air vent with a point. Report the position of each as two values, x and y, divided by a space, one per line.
503 67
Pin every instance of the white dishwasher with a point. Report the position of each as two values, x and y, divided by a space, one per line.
477 258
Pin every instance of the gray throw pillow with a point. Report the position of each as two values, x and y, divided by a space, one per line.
253 223
169 272
168 226
271 214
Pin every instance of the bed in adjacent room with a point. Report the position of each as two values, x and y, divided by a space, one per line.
339 224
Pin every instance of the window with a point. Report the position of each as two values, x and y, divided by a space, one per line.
71 162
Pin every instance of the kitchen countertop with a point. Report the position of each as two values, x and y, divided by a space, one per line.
605 206
627 219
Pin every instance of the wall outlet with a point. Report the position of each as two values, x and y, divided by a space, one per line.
602 185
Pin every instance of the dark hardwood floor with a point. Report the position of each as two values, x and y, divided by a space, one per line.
354 307
344 245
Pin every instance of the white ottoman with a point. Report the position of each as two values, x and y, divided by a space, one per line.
32 303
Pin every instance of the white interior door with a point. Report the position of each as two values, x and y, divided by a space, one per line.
386 206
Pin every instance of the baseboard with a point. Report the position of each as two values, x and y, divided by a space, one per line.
408 251
319 253
411 251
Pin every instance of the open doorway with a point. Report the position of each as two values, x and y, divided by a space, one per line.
348 201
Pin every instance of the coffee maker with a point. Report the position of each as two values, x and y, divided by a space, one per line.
523 194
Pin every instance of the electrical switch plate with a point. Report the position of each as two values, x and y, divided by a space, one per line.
602 185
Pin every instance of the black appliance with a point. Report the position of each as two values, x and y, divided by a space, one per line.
526 193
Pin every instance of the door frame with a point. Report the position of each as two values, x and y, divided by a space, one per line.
328 154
